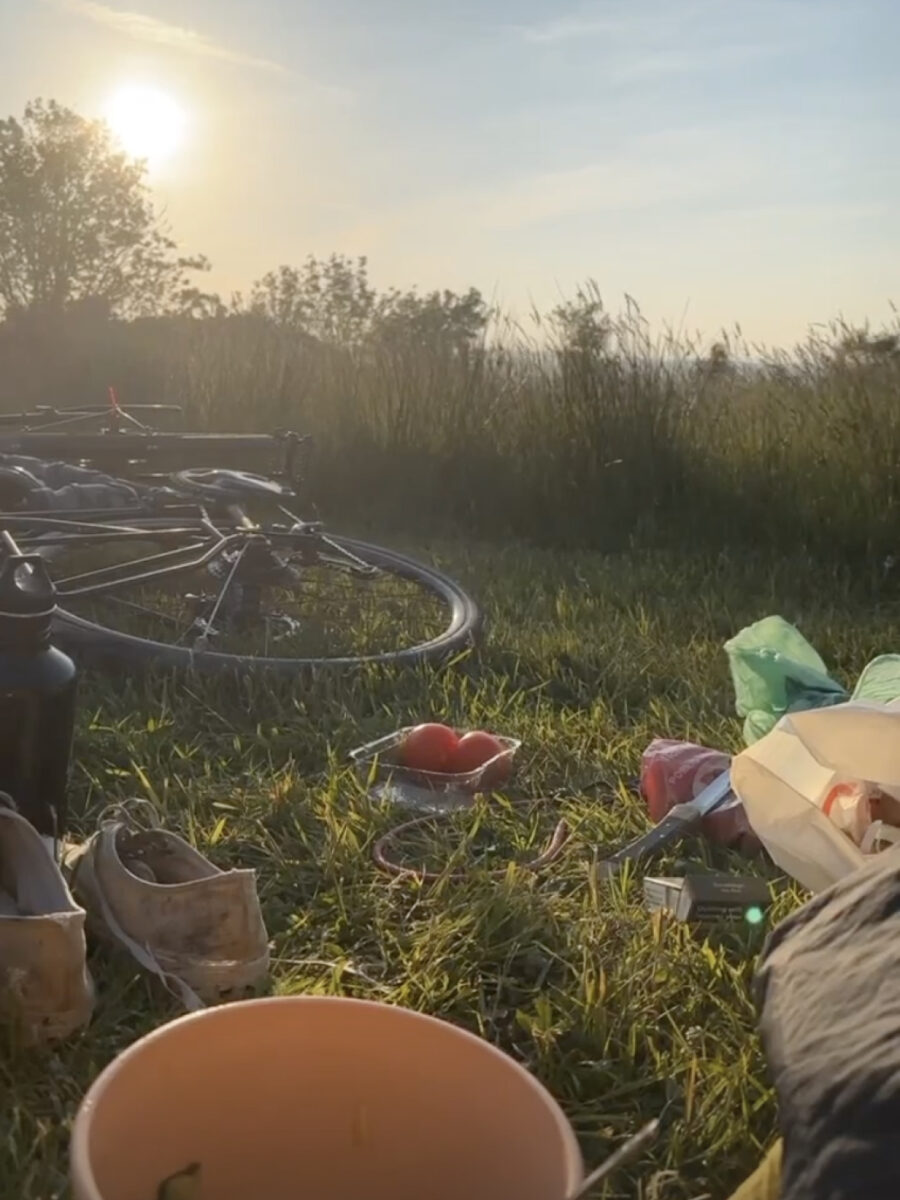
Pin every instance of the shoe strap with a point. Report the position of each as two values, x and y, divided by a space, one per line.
137 813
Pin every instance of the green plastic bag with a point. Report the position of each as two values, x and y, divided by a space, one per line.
880 681
775 671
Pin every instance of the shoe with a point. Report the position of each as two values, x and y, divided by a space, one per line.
45 987
196 927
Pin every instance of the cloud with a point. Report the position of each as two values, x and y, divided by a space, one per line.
639 25
161 33
632 42
700 166
564 29
631 69
693 169
609 187
617 21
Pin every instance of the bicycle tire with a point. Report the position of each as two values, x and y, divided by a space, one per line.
96 642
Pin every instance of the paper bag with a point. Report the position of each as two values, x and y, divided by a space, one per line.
784 779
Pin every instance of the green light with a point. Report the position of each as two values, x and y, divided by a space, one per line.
754 915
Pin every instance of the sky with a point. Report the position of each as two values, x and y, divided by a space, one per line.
721 161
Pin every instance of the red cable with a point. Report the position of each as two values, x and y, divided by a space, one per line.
544 859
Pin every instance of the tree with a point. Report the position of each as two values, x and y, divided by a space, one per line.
582 326
332 300
437 320
329 300
77 223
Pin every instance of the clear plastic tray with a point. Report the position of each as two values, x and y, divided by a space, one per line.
377 763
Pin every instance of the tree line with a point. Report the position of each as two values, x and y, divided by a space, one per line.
79 231
80 235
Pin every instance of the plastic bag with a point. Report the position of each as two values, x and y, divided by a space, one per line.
776 671
676 772
840 758
880 681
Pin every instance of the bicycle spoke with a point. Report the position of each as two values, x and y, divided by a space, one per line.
204 637
106 575
217 595
142 608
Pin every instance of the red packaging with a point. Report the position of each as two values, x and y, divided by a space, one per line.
676 772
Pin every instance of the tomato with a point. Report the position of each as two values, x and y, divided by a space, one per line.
475 749
429 747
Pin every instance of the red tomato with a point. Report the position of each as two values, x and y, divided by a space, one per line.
473 750
429 748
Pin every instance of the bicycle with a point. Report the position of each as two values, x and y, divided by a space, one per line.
177 564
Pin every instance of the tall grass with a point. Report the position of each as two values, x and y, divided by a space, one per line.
632 438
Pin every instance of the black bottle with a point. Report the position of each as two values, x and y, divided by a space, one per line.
37 693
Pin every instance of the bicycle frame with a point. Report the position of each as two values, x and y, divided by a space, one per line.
46 416
166 562
124 445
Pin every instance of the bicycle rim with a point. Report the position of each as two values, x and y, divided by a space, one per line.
407 613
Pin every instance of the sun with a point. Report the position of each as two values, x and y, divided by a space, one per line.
147 123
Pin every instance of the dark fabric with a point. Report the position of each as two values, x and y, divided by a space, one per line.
829 991
39 486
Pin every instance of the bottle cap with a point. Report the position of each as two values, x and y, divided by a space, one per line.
27 594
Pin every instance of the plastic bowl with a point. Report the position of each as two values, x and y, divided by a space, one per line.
377 762
320 1098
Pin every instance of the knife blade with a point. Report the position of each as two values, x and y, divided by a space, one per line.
675 824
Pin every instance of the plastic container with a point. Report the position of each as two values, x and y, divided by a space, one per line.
37 693
320 1098
383 755
378 763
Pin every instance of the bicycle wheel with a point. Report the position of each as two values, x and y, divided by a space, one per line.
245 599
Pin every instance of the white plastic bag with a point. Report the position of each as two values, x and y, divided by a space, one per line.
785 778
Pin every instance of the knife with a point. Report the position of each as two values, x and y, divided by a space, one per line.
675 824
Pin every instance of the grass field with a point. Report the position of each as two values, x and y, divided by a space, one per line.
588 658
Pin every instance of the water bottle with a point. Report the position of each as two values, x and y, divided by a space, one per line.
37 693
